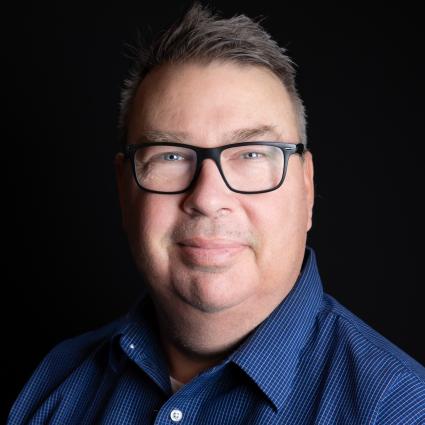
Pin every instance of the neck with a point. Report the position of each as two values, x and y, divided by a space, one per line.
184 366
194 341
192 348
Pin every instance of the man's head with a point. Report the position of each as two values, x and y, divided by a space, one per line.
217 262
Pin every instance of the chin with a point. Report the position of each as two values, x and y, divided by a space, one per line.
208 306
211 303
212 294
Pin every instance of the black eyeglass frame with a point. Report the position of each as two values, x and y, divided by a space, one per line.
287 149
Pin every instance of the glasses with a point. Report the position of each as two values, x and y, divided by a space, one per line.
248 167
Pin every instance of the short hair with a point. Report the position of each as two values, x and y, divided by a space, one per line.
203 37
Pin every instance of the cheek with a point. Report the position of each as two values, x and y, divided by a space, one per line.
152 214
281 243
280 222
152 222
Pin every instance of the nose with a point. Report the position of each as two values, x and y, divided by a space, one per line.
209 196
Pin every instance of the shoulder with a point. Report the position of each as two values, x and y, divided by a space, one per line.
60 366
365 341
380 368
71 352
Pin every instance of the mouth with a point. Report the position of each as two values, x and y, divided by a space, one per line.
210 252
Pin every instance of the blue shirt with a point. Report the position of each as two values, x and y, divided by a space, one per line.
311 361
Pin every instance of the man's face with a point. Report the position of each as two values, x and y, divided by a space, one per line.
212 251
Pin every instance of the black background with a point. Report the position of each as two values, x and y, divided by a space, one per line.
68 268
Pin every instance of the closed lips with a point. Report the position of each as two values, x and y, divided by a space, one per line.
211 252
211 243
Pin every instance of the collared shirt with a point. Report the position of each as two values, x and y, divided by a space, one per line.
311 361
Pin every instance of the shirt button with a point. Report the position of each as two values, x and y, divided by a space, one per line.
176 415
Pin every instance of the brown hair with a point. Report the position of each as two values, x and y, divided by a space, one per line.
201 36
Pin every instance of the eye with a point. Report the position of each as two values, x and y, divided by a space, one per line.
172 156
252 155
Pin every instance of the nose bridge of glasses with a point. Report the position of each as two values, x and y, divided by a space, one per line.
208 153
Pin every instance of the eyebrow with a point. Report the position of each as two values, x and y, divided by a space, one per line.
243 134
235 136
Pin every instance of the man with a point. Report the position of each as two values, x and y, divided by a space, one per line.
216 191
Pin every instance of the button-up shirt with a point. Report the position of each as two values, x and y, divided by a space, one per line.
311 361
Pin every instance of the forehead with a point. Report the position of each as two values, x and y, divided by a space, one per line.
205 102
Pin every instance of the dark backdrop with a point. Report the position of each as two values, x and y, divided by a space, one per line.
68 268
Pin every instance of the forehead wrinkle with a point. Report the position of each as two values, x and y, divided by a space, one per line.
235 136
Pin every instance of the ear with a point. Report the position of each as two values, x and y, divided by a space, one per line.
309 186
120 174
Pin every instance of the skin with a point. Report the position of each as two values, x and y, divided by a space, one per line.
217 262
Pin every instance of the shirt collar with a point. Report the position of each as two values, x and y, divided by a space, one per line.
138 338
271 353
